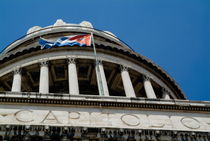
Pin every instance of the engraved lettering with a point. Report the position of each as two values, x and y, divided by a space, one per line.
89 117
73 115
108 119
5 114
190 122
50 118
130 120
23 116
99 118
155 122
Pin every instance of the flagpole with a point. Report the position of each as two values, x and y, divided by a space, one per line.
98 74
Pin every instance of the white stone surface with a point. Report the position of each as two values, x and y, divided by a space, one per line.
33 29
112 118
127 84
166 95
73 79
110 34
59 22
86 24
103 79
16 84
44 79
149 89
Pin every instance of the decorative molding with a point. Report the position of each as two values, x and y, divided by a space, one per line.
164 90
17 70
44 63
71 60
145 104
146 78
123 68
99 62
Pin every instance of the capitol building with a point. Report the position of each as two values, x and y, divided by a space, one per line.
104 91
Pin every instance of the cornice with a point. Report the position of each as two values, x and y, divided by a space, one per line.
104 102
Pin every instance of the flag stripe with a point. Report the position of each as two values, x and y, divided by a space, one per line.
80 40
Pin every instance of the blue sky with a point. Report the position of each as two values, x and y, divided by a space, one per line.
175 34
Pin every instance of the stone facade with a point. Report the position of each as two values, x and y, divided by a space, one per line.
53 94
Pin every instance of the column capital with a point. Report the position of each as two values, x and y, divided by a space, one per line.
99 62
16 84
164 90
17 70
123 68
165 93
71 60
44 62
146 78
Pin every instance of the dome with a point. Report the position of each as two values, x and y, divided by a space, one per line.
73 82
59 22
114 53
33 29
86 24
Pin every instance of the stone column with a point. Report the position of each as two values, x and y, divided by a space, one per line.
103 78
166 93
73 79
148 87
16 84
44 78
127 84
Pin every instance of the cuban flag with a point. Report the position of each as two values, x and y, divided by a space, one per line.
80 40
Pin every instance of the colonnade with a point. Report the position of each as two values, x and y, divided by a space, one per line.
73 80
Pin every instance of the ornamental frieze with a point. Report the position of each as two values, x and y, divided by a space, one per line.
111 118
